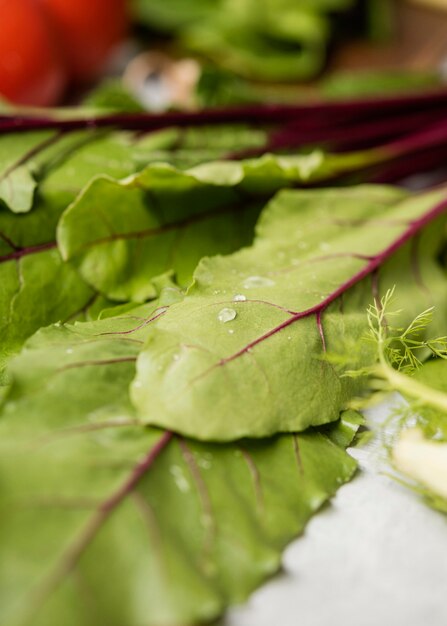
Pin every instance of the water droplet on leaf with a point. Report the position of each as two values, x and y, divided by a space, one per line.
226 315
239 297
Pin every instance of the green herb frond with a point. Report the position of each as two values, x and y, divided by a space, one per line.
403 349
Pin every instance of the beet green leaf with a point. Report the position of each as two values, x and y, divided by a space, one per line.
36 287
194 527
81 370
121 234
17 183
320 257
182 529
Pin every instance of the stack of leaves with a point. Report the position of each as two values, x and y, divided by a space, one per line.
174 331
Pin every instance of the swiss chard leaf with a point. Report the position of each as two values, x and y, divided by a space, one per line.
300 290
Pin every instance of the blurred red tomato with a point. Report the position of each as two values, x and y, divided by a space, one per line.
88 30
31 69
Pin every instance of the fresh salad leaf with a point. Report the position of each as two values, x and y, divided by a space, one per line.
262 318
36 287
103 493
97 357
121 235
194 527
17 183
94 497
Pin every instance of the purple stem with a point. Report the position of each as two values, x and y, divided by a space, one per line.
344 137
248 114
21 252
402 167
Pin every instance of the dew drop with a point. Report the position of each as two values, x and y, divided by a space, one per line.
69 351
289 337
226 315
239 297
231 331
252 282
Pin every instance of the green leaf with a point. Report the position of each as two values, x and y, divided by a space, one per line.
120 235
182 529
17 183
31 270
93 154
244 353
97 357
103 494
36 287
